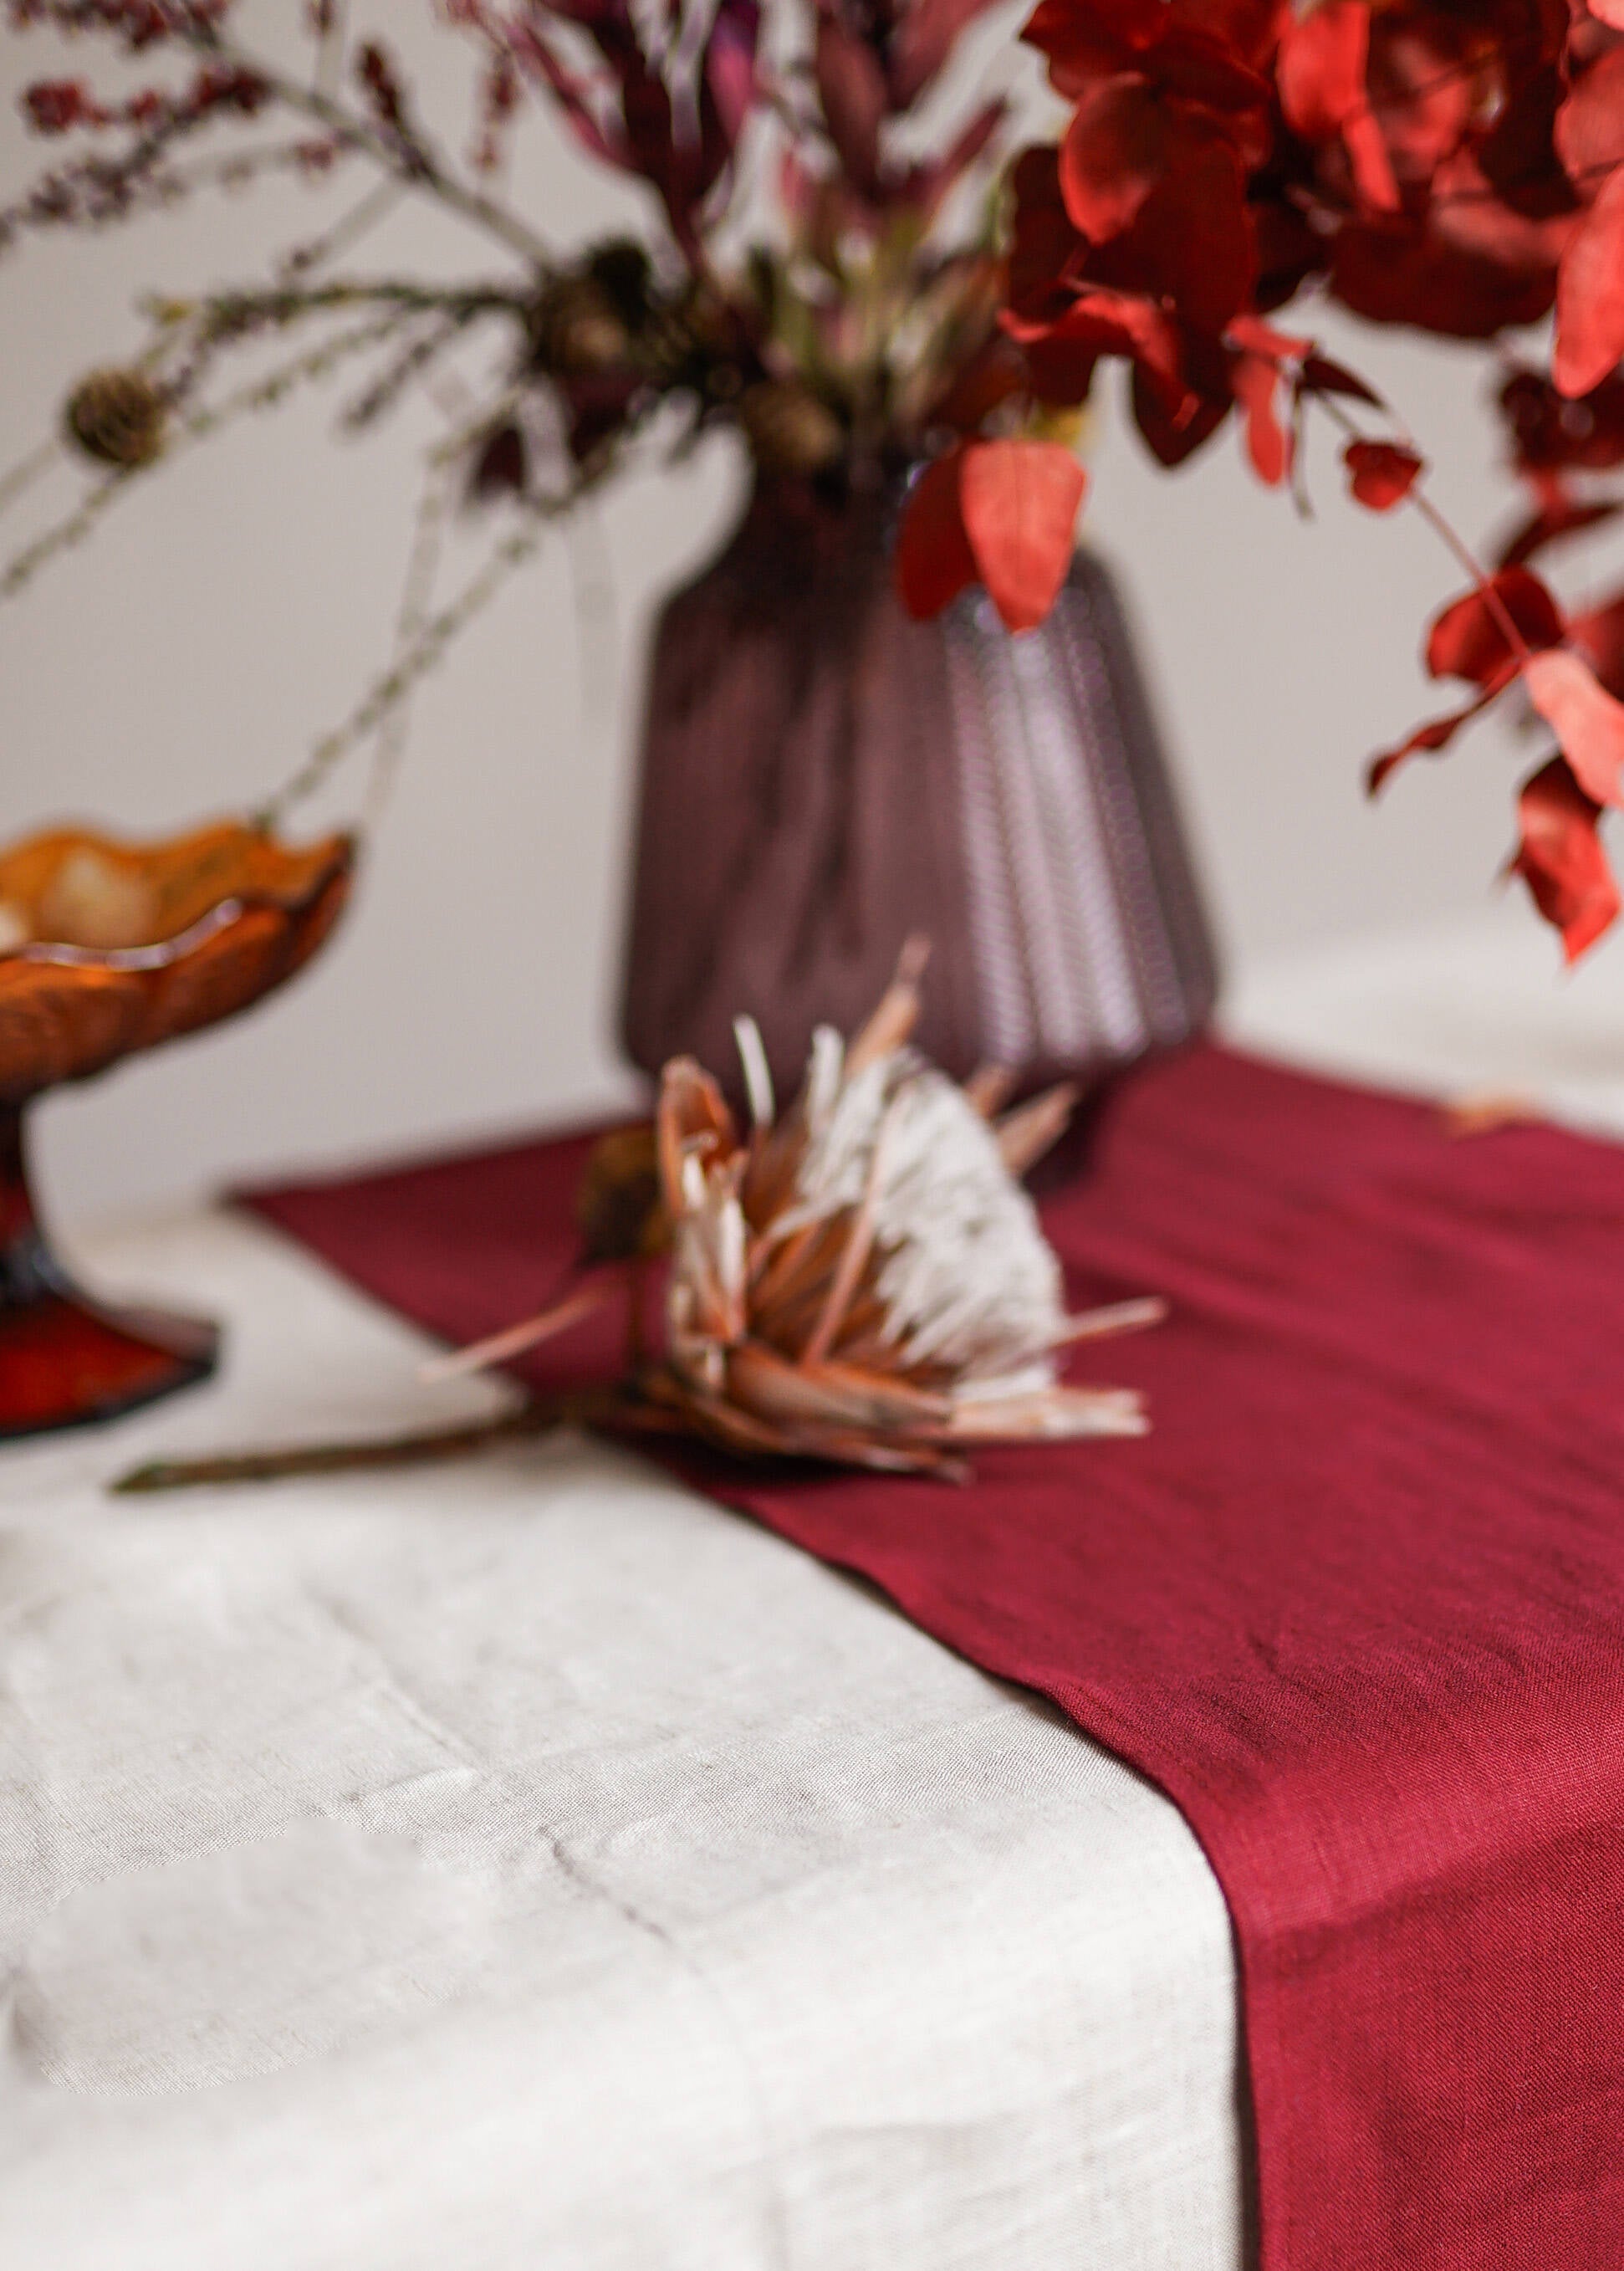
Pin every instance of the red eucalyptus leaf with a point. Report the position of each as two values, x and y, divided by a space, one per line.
1321 68
1175 429
1097 323
1373 168
1468 639
1322 74
1550 432
1557 516
1435 734
1425 83
1319 374
1193 243
1087 40
1197 75
1381 474
1400 274
1248 30
1257 382
1590 295
1259 337
1585 718
1518 156
1598 635
1114 153
1561 858
1589 132
934 562
1020 502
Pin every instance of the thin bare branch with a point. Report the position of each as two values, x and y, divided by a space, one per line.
409 158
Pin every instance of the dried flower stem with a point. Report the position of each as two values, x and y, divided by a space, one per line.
388 691
261 394
28 469
65 534
378 202
223 313
330 53
316 362
538 1417
407 156
428 542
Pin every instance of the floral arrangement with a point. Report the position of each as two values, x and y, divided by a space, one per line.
851 268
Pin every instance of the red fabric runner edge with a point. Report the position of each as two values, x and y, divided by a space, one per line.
1356 1605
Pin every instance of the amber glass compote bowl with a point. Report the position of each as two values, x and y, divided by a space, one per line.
105 949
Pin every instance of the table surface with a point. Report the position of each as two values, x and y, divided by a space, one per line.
527 1862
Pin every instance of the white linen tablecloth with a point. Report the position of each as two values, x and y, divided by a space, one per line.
526 1862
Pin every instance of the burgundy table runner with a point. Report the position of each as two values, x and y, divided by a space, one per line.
1356 1605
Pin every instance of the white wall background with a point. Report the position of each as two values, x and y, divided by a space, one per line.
228 612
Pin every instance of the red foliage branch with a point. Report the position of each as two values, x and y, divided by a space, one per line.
1455 166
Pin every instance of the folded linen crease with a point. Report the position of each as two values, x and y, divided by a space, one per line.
1356 1605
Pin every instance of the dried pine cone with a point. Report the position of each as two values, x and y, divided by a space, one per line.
118 417
790 430
579 331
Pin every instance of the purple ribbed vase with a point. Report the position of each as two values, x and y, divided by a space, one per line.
822 777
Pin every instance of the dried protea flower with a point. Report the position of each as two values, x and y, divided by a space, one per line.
790 430
863 1279
118 417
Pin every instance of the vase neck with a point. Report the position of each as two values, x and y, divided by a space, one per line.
847 533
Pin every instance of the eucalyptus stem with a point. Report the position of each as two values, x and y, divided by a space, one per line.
1447 534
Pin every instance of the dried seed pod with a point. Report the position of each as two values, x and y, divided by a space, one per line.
118 417
579 330
790 430
621 270
682 339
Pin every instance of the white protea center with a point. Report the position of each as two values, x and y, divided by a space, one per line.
968 1281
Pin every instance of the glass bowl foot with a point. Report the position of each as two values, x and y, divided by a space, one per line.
65 1361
